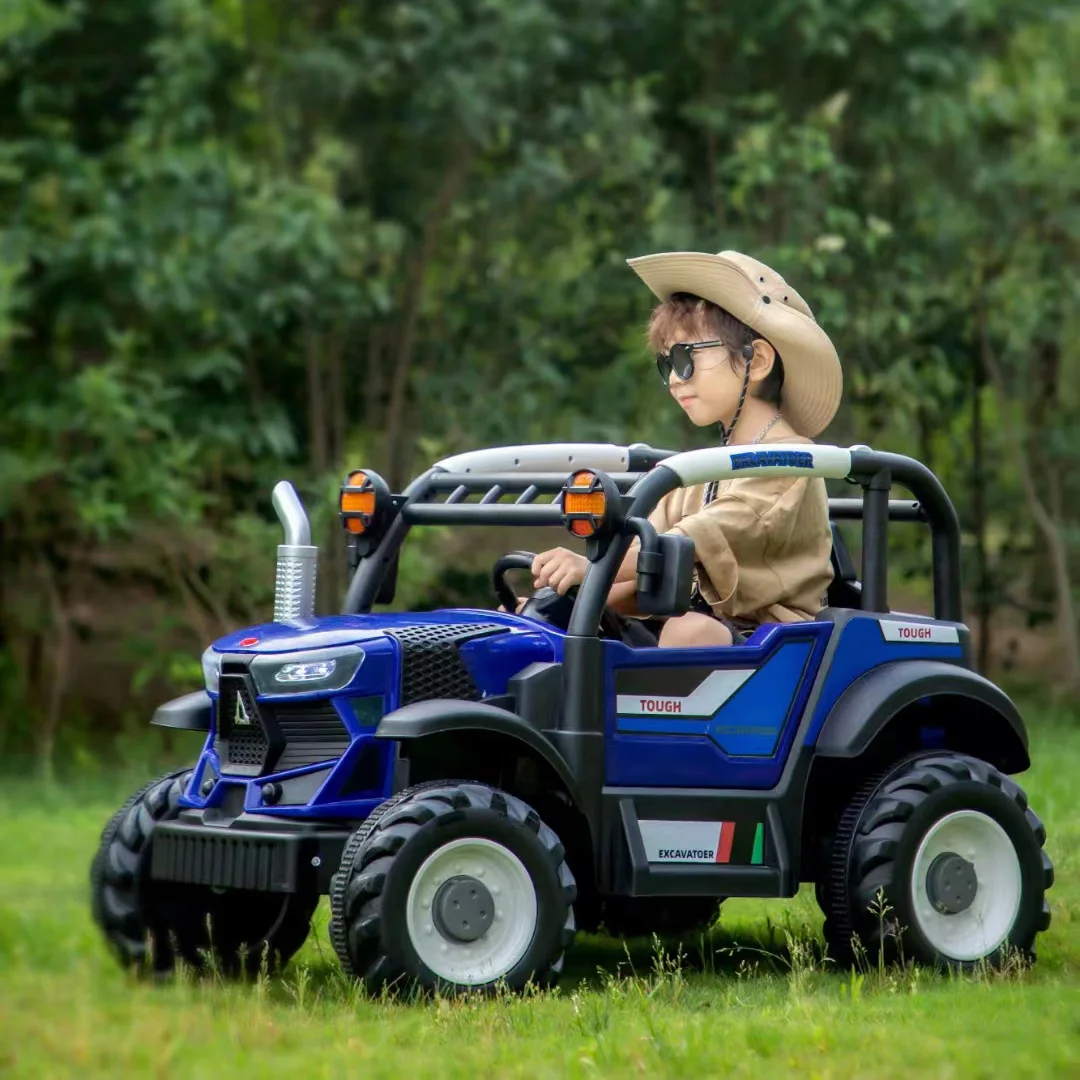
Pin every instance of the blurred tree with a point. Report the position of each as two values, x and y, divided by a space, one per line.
247 238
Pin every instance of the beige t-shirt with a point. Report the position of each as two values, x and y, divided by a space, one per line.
763 544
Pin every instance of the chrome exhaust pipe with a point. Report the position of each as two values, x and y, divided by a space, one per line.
297 559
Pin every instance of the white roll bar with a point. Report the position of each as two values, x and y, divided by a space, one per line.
539 457
771 459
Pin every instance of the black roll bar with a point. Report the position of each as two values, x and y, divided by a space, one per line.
875 471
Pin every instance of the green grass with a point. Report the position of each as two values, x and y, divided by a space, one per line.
762 1009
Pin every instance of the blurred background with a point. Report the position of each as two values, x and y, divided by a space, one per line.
242 241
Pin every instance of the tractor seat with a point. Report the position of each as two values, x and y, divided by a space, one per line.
845 590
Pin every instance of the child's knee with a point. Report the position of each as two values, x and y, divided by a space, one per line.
693 630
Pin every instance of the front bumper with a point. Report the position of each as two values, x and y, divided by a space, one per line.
247 852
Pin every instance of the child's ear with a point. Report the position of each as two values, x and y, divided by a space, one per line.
762 361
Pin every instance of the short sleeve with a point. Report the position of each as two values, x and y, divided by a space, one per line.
733 533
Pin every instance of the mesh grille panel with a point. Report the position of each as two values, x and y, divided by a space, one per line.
241 744
430 664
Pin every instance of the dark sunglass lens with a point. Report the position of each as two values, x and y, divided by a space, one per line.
663 365
682 361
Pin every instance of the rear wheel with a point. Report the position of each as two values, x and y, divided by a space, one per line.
148 924
453 885
941 862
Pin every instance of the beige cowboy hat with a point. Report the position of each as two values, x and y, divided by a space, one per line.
758 296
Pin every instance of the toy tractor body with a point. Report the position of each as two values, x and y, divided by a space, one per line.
470 786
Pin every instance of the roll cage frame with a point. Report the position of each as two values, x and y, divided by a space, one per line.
644 475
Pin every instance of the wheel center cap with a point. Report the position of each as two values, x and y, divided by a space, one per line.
951 883
463 909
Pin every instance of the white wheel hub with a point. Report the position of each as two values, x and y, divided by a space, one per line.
499 938
986 917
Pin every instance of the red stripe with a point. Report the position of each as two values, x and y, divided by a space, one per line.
727 838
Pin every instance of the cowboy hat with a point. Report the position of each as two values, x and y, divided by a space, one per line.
758 296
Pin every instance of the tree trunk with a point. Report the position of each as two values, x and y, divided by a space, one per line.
59 677
372 389
1050 529
410 314
983 603
330 582
317 432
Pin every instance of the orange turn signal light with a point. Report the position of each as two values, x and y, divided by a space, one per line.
364 496
357 503
585 504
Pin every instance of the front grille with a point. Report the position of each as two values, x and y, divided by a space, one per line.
311 730
247 747
254 739
430 664
229 860
242 742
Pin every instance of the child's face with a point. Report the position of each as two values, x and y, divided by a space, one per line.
711 394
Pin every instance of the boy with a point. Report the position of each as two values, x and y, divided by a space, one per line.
738 347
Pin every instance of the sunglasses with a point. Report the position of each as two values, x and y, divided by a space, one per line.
680 359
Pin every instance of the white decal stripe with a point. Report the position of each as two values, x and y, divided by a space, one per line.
919 632
714 690
680 841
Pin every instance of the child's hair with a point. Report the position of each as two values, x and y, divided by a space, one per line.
703 317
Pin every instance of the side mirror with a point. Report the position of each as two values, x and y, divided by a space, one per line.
665 572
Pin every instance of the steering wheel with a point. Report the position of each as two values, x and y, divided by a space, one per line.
546 604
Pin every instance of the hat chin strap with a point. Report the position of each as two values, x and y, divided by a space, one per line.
727 432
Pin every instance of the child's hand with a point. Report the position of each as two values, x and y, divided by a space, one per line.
520 604
560 569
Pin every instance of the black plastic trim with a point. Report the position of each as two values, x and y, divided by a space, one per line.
537 694
188 713
625 870
269 857
440 716
644 457
866 707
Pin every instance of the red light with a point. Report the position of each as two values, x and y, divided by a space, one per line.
247 642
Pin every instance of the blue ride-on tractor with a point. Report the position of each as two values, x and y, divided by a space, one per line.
471 786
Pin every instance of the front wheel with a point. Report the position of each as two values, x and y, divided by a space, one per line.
148 923
453 885
941 862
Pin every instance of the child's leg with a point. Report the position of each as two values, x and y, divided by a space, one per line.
694 629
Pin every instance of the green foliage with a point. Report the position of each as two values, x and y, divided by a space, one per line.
245 240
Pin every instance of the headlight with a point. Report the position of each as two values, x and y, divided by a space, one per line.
211 669
312 672
304 672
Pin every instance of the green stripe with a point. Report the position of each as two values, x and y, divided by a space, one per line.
759 844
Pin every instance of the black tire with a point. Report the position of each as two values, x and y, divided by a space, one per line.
665 916
148 925
874 854
368 894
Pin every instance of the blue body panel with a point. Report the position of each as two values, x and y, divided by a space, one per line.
860 649
490 661
744 744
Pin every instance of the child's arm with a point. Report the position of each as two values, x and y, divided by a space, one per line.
622 596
